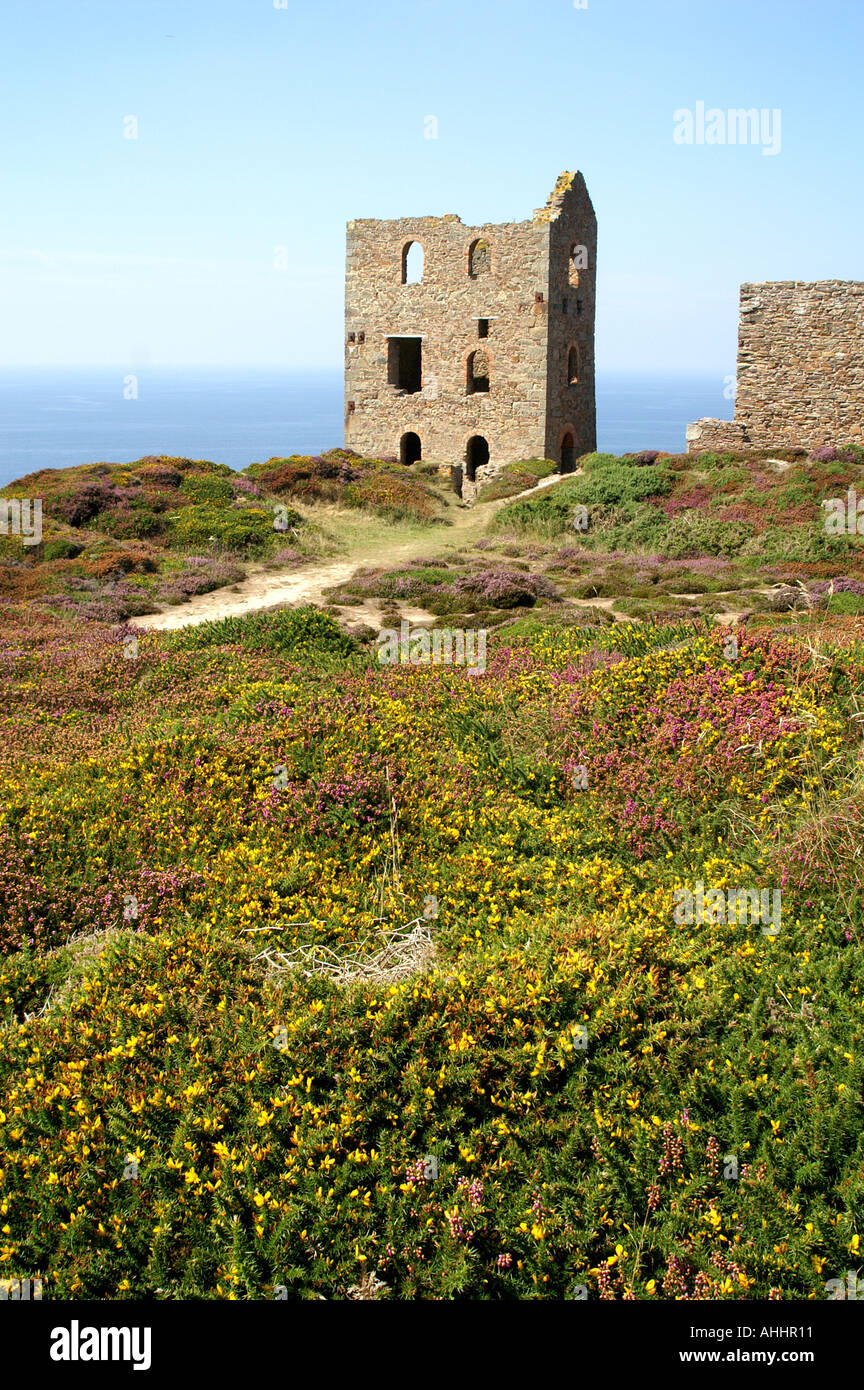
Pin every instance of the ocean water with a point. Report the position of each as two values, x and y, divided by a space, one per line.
55 417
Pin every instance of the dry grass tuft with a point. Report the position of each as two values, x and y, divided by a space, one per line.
404 952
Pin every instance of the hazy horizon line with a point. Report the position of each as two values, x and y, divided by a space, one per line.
336 368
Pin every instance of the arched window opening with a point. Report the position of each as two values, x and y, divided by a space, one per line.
409 448
572 365
479 258
412 263
568 453
476 456
576 261
478 372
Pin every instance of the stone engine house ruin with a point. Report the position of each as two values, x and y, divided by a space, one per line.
473 346
800 380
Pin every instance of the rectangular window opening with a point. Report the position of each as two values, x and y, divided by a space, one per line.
482 328
404 364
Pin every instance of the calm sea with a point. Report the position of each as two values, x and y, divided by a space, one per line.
54 417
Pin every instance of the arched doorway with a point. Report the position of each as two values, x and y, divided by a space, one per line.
476 456
409 448
568 452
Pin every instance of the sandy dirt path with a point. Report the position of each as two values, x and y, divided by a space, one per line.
266 587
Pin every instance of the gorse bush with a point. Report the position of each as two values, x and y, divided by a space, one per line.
394 497
295 633
243 530
61 548
608 482
210 488
309 479
690 534
180 1121
211 1087
380 486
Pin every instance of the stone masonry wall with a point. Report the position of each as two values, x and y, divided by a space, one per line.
513 294
716 436
571 408
801 363
800 381
444 310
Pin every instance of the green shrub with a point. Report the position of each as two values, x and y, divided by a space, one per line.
595 460
61 548
846 603
515 478
687 583
602 586
290 632
548 514
804 544
209 488
795 494
138 523
248 529
692 533
607 482
395 495
705 463
426 574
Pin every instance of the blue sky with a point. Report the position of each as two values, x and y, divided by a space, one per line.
261 128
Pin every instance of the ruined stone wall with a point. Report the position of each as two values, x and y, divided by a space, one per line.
444 310
571 297
716 436
801 363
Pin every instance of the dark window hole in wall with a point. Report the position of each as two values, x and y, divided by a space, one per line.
405 364
478 372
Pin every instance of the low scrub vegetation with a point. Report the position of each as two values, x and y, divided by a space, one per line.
383 487
530 981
